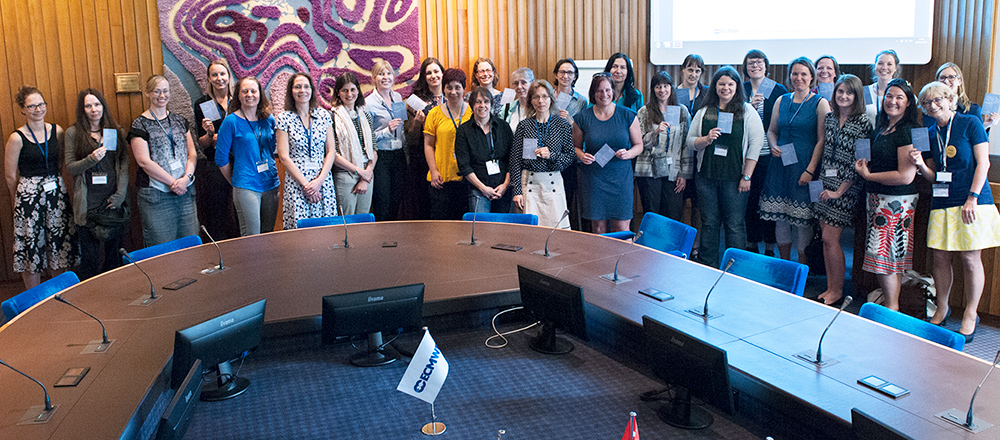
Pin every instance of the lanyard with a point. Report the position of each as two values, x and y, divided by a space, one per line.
308 130
45 151
170 134
542 129
944 147
260 145
460 113
800 107
389 109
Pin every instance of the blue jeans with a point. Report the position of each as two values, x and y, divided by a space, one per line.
167 216
256 211
722 206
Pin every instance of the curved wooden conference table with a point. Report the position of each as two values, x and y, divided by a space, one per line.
761 328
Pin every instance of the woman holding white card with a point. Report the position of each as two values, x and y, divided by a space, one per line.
96 155
388 112
537 183
951 75
43 229
164 150
215 195
726 162
665 165
796 136
963 218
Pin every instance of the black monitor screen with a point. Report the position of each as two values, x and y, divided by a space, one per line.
693 366
370 312
557 304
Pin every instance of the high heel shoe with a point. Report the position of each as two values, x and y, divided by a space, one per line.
969 337
944 321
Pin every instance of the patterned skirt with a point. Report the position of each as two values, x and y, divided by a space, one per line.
889 245
44 233
947 232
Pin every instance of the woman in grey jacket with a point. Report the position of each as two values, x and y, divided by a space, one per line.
666 162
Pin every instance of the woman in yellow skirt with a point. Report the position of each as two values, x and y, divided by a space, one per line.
963 218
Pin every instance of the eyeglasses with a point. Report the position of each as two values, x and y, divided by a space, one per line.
604 74
567 72
937 100
160 92
948 78
35 107
755 63
484 71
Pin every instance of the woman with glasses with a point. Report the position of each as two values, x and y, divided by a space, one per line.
245 155
485 75
215 195
606 138
884 69
694 95
514 112
98 161
43 229
963 218
951 75
164 150
665 165
566 74
626 95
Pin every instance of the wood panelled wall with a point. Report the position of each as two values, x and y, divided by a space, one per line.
62 47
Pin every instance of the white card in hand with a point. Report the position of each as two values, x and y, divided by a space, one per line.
399 110
529 146
211 111
815 188
766 87
673 115
563 100
788 156
416 103
991 103
508 96
863 149
921 139
604 155
726 122
110 139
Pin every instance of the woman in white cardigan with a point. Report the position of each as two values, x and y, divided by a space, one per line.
727 134
353 140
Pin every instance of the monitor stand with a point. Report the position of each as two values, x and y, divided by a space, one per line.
225 386
375 356
548 343
680 413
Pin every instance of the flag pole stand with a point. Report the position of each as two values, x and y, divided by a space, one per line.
434 427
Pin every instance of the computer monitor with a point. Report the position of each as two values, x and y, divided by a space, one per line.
557 304
370 312
177 416
866 427
216 342
693 367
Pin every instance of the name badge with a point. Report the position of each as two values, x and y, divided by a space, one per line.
670 160
49 186
721 151
99 178
831 172
312 165
395 144
261 167
492 167
940 190
943 176
175 166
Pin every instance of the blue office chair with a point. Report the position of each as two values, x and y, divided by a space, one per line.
775 272
911 325
335 220
663 234
24 300
162 248
494 217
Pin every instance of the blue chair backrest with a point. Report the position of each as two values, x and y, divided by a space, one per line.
775 272
666 234
911 325
162 248
14 306
335 220
494 217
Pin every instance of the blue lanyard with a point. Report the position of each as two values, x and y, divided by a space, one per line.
260 145
460 113
944 146
389 109
45 151
170 134
802 104
542 129
309 147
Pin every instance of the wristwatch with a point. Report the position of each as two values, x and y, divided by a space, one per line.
974 195
746 177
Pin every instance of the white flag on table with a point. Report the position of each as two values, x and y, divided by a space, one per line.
427 371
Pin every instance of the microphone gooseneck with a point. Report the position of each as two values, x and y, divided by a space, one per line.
343 218
48 402
968 418
819 347
729 264
104 331
634 239
203 229
475 211
152 290
565 213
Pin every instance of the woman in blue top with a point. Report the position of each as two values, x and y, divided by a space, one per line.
951 75
606 190
626 95
963 218
247 134
796 129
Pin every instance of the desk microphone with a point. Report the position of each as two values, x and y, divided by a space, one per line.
818 359
343 218
704 311
472 241
34 415
220 267
546 253
105 343
971 423
614 276
152 290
